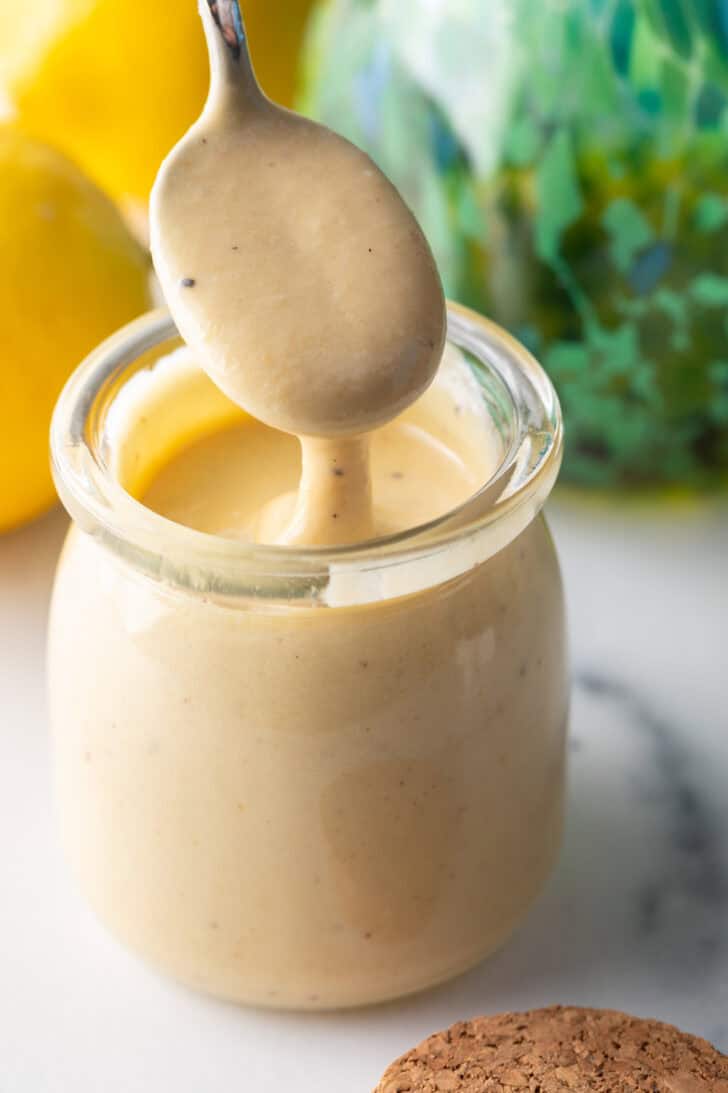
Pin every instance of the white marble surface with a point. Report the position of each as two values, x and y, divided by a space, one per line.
635 917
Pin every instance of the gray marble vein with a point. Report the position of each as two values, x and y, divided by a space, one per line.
696 872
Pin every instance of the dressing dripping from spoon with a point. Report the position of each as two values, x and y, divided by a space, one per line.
302 281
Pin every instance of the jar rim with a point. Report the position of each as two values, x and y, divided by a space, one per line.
208 564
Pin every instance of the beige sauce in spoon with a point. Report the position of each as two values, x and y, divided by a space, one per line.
302 281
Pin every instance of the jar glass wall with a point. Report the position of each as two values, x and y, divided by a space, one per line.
305 778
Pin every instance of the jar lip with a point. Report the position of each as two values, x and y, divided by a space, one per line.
99 503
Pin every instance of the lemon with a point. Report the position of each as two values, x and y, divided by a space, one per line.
70 273
115 83
275 33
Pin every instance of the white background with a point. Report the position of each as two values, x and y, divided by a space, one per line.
636 916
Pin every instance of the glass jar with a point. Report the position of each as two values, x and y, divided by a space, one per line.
306 778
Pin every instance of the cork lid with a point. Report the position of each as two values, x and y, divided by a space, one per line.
560 1048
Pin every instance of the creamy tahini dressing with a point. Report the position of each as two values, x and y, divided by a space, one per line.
301 279
282 800
244 480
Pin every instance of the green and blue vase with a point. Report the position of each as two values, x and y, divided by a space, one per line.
568 160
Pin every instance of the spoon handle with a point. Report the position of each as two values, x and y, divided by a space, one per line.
231 69
229 19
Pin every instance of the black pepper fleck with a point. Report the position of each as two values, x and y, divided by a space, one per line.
188 282
338 472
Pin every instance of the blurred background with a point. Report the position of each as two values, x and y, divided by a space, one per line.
568 162
566 159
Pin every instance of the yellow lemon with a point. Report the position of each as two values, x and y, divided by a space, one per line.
275 33
115 83
70 273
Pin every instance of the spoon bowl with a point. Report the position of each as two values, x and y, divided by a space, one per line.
289 262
